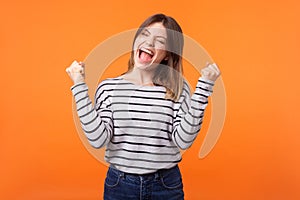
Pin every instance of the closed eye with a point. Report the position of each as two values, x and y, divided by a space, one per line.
161 41
145 33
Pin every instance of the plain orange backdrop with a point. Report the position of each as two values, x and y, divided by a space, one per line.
255 43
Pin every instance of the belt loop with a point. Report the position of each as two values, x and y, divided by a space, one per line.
122 175
156 175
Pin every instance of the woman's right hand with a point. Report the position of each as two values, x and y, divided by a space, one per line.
76 72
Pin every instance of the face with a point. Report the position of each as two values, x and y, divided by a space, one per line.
150 46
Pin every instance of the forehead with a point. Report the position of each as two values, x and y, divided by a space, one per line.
157 28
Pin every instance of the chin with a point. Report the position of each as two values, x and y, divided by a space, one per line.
145 66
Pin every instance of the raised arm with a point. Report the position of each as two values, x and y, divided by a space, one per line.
189 118
96 121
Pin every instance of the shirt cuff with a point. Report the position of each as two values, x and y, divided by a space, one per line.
210 82
78 88
204 86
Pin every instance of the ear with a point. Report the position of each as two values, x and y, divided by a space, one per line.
166 58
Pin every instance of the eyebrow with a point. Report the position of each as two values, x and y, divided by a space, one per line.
156 36
146 30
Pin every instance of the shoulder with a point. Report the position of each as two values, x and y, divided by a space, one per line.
107 84
109 81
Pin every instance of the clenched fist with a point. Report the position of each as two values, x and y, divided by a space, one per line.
76 72
211 72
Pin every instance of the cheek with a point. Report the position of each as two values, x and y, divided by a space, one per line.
161 53
135 45
137 42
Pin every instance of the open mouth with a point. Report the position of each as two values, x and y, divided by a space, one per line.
145 55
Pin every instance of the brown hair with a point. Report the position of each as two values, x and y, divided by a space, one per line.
169 72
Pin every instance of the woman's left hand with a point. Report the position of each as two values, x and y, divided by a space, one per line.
211 72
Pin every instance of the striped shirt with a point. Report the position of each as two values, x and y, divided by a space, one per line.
141 130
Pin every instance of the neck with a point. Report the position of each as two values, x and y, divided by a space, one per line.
141 76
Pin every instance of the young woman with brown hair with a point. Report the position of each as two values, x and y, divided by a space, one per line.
146 115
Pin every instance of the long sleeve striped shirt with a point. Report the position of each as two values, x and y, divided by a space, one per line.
141 130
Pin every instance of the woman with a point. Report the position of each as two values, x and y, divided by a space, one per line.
146 115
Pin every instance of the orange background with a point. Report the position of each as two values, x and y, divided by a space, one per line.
255 43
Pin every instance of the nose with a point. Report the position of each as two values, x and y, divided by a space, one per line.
150 41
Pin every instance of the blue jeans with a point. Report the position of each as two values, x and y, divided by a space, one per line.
164 184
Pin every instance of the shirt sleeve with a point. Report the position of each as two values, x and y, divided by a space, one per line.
96 121
188 120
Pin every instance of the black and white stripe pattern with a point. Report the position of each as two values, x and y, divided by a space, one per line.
142 131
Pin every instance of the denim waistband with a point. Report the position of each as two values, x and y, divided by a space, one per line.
154 175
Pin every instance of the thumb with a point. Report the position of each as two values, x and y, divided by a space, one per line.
207 63
68 70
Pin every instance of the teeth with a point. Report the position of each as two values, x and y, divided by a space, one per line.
147 51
